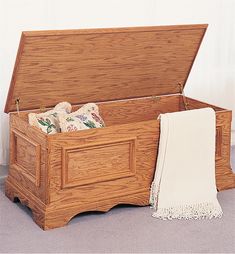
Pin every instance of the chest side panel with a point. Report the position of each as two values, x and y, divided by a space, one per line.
28 159
225 178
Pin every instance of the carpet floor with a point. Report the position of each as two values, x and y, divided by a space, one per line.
123 229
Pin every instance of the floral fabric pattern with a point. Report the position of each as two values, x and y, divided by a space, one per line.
86 117
48 121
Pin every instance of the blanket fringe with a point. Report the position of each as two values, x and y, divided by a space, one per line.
195 211
154 191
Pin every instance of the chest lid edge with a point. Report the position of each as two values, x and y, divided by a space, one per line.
94 65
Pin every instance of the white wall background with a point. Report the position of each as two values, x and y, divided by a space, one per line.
212 78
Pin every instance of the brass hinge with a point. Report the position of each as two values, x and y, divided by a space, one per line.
17 102
185 101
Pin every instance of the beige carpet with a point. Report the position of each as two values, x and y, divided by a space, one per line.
123 229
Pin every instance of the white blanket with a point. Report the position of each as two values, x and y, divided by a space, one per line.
184 184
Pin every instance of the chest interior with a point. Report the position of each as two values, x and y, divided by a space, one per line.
138 110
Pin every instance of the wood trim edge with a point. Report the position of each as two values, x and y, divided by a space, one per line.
113 30
13 78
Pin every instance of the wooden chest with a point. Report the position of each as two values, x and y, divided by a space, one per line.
133 74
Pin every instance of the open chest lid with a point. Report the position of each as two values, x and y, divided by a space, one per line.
94 65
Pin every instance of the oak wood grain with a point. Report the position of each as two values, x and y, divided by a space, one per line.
28 157
123 69
63 202
14 189
97 162
145 156
129 110
102 66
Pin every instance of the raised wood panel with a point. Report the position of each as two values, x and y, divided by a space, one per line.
98 162
102 66
26 157
146 134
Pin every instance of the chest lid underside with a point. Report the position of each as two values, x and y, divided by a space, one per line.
94 65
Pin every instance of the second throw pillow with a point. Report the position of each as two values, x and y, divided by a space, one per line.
84 118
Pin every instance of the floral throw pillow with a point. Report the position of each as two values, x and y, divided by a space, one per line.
86 117
48 121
